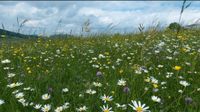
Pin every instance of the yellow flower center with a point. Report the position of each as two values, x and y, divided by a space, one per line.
106 110
121 71
155 85
107 99
139 109
46 109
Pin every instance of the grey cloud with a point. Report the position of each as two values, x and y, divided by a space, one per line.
124 14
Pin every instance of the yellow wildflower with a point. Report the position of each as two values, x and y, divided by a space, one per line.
177 68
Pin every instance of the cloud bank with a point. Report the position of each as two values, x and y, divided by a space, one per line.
68 16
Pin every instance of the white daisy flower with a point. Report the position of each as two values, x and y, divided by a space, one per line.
65 90
82 109
106 109
184 83
13 85
5 61
37 106
138 107
121 82
122 106
66 105
11 75
156 99
89 91
2 102
46 108
97 84
106 98
59 109
46 96
19 95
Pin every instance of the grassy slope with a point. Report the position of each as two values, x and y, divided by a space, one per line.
72 69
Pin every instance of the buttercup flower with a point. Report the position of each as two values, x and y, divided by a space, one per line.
177 68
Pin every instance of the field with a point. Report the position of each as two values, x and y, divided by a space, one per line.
108 73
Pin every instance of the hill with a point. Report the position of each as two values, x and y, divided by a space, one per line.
14 34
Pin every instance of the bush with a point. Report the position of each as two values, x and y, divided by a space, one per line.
175 26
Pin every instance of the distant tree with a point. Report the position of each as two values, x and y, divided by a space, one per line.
174 26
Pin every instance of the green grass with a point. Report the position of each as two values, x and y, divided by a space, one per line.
38 65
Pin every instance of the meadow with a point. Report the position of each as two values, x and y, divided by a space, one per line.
157 71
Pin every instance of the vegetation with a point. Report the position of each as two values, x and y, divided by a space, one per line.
152 70
174 26
10 34
73 74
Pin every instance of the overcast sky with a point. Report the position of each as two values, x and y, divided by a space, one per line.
124 15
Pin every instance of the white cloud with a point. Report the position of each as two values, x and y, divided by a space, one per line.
88 11
126 14
33 23
105 20
19 9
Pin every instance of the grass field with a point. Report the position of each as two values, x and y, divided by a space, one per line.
109 73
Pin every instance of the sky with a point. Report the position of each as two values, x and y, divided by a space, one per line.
123 16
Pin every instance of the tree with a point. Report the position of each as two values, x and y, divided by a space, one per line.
174 26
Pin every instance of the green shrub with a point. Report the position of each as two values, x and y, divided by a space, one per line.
175 26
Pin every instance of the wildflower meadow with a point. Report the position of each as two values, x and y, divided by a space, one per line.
149 71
